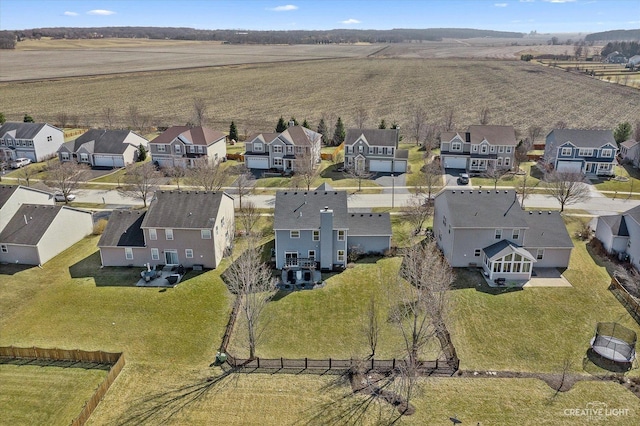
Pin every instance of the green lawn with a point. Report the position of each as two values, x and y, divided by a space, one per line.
631 183
510 179
39 395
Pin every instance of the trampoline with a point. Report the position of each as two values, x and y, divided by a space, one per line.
614 342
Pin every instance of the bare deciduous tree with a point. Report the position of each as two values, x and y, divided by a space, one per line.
483 115
494 173
108 117
417 212
244 182
250 279
249 216
199 111
418 123
448 121
567 187
134 117
560 125
534 133
206 175
361 116
357 173
28 172
636 133
306 167
524 189
177 173
62 118
521 151
371 326
141 181
66 177
430 180
431 133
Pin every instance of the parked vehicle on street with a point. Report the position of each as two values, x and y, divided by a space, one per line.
20 162
59 196
463 179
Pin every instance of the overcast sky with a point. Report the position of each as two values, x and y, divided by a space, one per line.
544 16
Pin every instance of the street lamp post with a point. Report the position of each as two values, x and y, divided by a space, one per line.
393 190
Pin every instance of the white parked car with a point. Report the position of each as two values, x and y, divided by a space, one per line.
60 197
20 162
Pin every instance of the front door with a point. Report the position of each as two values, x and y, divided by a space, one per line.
171 257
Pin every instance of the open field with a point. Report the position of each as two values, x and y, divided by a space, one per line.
45 394
517 93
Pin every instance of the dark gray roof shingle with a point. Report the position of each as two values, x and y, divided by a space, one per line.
369 224
183 209
22 130
301 209
484 208
546 229
495 135
123 229
374 137
617 224
100 141
195 135
583 138
29 224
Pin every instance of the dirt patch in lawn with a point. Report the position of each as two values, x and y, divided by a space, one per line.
375 384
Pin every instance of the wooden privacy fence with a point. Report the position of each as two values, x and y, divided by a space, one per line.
115 359
631 303
427 368
237 157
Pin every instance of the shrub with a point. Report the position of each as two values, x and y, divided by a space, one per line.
99 227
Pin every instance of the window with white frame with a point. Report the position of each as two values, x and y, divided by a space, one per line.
4 248
257 146
501 149
507 161
341 235
474 148
316 235
340 255
370 150
168 234
607 153
30 143
585 152
566 151
153 234
84 158
294 234
456 146
64 156
499 161
540 254
492 149
205 234
516 234
508 149
201 150
498 234
277 161
312 254
477 252
277 149
483 148
162 148
178 149
155 254
188 253
128 253
360 149
290 149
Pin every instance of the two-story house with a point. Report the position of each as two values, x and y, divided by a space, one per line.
103 148
35 141
489 229
315 228
180 228
281 151
183 146
479 149
630 151
591 152
375 150
620 234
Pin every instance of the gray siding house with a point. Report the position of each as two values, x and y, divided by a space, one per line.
621 234
183 146
375 150
103 148
591 152
12 197
479 149
180 228
315 229
489 229
35 141
630 151
36 233
280 151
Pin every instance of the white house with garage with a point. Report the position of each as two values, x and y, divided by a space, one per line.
375 150
591 152
103 148
35 141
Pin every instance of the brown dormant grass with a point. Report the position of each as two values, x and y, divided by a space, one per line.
517 93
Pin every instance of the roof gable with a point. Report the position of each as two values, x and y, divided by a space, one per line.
583 138
301 209
189 135
373 137
20 130
29 224
123 229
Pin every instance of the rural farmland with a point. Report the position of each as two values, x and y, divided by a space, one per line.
516 93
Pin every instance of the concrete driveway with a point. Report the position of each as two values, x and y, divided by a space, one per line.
397 183
451 178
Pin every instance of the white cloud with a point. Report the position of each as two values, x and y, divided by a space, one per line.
527 1
70 14
101 12
559 1
501 4
350 21
285 8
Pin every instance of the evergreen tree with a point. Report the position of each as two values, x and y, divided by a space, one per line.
233 132
305 124
382 125
142 153
27 118
281 126
2 119
339 134
322 129
622 132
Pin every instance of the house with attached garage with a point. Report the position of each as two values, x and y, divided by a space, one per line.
184 146
479 149
103 148
36 233
630 152
375 150
189 228
281 151
591 152
12 197
489 229
35 141
315 229
620 234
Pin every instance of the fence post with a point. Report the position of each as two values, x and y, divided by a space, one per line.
372 359
394 364
281 363
258 362
329 363
305 363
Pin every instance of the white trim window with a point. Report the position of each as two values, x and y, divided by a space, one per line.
477 252
277 162
316 235
155 254
64 156
483 148
498 234
606 153
340 255
257 146
294 234
4 248
500 149
84 158
456 146
566 151
128 253
153 234
585 152
168 234
277 149
188 253
540 254
312 254
162 148
178 149
341 235
507 160
516 234
205 234
508 151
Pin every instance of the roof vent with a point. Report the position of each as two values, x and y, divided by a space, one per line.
540 212
530 212
462 192
549 212
453 192
506 192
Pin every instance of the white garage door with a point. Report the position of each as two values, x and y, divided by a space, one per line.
380 165
257 162
570 166
107 161
400 166
454 162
